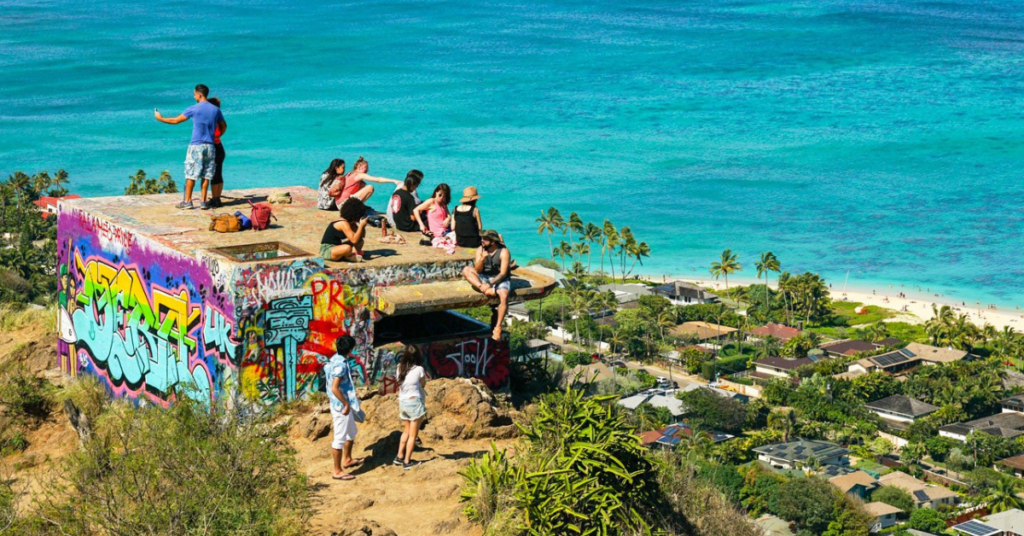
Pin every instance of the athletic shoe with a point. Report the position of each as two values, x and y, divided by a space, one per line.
397 461
410 465
204 205
186 205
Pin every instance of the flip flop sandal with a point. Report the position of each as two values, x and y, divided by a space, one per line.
343 477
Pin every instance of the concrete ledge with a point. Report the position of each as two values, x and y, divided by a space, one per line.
441 296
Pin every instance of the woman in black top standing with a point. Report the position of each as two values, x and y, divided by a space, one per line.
466 220
343 239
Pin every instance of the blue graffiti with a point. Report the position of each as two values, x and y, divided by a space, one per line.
287 325
136 357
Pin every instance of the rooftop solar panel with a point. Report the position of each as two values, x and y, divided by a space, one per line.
908 353
975 528
888 360
921 495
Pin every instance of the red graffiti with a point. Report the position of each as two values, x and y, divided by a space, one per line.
335 290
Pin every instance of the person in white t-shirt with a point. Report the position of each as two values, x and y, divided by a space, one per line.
411 406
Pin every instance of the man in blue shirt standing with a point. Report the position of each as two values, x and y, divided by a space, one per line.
201 158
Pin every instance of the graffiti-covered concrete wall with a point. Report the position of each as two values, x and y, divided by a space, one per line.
145 320
150 321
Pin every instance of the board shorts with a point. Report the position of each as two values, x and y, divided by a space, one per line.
505 284
411 409
344 428
200 162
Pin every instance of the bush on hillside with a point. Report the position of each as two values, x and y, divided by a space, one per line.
188 469
579 469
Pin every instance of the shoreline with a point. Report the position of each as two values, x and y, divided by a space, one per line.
915 308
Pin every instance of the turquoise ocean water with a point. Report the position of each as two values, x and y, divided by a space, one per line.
884 138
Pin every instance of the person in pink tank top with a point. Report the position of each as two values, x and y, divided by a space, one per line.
438 217
354 184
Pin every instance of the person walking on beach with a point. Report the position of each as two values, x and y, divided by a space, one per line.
466 220
217 184
344 407
411 403
355 185
489 274
201 156
404 201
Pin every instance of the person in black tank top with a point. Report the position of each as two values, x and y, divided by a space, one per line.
467 223
489 274
342 239
403 203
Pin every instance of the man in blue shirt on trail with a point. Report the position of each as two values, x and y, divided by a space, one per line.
201 158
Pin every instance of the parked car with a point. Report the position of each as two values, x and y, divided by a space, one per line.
617 364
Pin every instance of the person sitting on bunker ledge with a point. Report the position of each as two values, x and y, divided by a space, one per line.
343 239
489 274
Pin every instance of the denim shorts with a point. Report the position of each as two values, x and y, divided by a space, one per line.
200 162
411 409
505 284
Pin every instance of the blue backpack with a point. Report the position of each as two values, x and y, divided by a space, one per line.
246 222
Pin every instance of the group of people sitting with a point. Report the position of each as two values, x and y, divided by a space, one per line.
343 239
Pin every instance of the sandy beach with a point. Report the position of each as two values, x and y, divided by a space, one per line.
916 306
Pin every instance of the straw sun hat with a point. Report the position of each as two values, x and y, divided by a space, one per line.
469 194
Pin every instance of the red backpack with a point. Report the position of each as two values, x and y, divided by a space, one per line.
260 216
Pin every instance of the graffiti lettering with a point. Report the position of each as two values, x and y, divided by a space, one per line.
217 334
481 358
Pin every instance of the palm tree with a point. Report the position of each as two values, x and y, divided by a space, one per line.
782 422
549 221
766 264
666 320
41 183
627 241
57 188
938 326
579 249
611 241
575 223
592 234
564 250
638 252
878 331
728 265
1003 496
617 339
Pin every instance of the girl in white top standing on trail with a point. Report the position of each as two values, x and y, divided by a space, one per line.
411 407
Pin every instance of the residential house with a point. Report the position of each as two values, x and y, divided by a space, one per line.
683 293
720 392
884 515
890 362
900 409
802 454
670 436
1014 463
557 276
628 294
850 347
933 355
777 331
1000 424
1008 523
924 495
779 367
857 483
659 398
702 331
48 205
1014 404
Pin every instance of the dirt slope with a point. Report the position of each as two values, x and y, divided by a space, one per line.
464 419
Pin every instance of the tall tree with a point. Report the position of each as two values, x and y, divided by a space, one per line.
727 265
611 241
574 224
766 264
638 252
549 221
592 234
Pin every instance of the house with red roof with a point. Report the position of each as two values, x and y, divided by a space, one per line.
48 205
778 331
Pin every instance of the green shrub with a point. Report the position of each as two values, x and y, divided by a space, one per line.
12 440
577 359
579 470
489 486
24 396
185 470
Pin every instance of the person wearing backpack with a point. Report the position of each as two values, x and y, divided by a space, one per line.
343 239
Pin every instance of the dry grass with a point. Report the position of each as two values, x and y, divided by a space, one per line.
18 318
